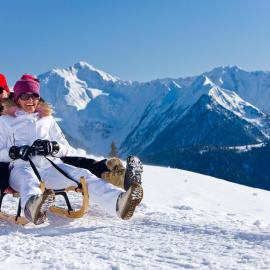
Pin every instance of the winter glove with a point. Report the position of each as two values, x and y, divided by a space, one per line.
45 147
22 152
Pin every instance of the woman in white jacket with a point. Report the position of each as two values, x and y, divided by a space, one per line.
29 122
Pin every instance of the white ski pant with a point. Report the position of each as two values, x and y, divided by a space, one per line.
24 180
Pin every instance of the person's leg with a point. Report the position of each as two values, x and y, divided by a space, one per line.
94 166
100 192
24 180
33 201
113 200
111 170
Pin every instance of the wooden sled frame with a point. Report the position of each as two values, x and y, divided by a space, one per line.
69 212
83 189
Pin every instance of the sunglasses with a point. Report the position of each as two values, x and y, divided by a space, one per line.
1 90
34 96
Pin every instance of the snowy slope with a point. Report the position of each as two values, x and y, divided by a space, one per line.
186 221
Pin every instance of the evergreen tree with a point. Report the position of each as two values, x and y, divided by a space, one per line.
114 151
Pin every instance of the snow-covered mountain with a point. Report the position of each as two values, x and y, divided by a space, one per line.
186 221
219 117
253 86
224 107
96 108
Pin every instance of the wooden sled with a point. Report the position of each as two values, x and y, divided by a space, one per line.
69 212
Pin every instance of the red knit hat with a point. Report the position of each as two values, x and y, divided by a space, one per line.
27 84
3 83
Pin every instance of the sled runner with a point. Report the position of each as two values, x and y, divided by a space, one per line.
17 219
81 187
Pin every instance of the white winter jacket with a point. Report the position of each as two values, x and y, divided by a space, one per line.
20 128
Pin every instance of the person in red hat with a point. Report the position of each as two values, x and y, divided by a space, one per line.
4 172
4 89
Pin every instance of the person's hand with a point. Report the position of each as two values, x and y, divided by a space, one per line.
45 147
22 152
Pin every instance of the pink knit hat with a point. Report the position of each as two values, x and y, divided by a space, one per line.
27 84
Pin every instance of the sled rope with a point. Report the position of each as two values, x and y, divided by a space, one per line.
35 169
63 172
56 167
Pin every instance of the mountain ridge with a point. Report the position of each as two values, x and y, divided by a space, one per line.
224 107
118 106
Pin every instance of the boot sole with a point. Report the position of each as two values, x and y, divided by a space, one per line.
134 199
46 202
134 172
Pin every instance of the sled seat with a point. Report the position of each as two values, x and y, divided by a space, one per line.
63 212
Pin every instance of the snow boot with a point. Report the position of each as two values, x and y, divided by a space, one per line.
37 206
134 171
116 173
129 200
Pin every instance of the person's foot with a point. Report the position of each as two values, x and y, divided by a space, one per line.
129 200
37 206
133 174
113 162
116 172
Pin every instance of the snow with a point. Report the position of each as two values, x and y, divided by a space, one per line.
246 148
186 221
244 110
97 92
252 86
176 84
208 82
77 96
105 76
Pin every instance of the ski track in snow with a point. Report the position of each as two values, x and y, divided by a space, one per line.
172 235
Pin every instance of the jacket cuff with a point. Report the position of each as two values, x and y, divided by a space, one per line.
63 151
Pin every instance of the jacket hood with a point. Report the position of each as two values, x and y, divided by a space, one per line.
9 107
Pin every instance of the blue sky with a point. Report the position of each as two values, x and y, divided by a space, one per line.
134 39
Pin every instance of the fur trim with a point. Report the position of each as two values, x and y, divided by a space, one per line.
10 108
